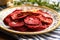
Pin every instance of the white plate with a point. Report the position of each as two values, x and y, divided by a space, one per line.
54 14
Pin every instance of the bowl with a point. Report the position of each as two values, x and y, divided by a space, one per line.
7 11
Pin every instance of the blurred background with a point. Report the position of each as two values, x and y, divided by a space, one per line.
54 4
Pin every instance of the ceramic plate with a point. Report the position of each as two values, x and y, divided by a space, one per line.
54 14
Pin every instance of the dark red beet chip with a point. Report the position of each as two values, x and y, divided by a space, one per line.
16 24
32 20
17 14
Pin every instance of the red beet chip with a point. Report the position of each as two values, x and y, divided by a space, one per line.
45 14
44 26
49 20
41 28
7 20
37 27
16 24
32 20
34 26
45 19
17 14
42 18
22 29
16 11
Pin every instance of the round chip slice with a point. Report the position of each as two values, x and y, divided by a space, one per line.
32 20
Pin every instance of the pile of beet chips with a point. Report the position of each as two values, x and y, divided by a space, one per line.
28 21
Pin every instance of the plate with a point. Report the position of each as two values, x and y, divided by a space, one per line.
7 11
